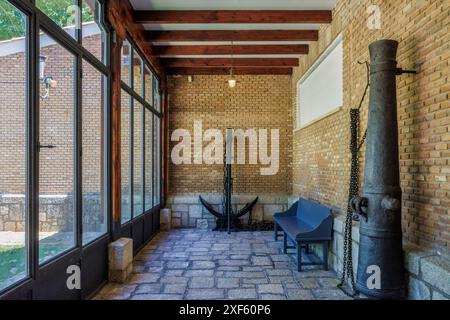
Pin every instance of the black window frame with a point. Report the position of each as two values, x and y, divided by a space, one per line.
37 21
142 100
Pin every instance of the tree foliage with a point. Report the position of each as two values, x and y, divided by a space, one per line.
63 12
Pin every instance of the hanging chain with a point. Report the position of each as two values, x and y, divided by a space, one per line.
355 147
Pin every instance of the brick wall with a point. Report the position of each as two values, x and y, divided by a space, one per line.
320 157
259 102
56 128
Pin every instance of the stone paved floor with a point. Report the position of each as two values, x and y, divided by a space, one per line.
205 265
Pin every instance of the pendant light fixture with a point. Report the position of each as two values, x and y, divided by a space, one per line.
232 81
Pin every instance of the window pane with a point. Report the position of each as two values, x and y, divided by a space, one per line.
94 214
56 156
148 158
125 156
93 33
137 159
157 96
137 73
156 161
64 13
13 195
126 63
148 85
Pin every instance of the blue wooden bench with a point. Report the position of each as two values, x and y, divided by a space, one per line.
305 223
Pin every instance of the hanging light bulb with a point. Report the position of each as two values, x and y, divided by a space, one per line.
232 82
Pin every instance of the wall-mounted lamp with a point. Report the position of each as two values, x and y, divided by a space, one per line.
49 82
190 79
42 61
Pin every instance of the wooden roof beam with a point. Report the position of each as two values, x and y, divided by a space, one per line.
233 16
232 35
227 49
229 62
226 71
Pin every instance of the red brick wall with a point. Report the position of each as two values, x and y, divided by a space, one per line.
56 122
321 151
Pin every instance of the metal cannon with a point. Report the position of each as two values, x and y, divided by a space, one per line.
380 263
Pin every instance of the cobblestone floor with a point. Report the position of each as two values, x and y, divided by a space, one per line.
206 265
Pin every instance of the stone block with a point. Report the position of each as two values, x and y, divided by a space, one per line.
412 256
205 294
180 207
418 290
195 211
299 294
201 282
165 219
227 283
176 222
186 199
339 224
120 276
436 271
202 224
270 288
176 214
185 219
120 257
175 288
237 294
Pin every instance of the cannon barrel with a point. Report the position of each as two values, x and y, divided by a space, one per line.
380 263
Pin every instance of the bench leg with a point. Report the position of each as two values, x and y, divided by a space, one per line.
325 255
284 243
275 229
299 257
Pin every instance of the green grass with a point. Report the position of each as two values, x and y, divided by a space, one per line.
13 261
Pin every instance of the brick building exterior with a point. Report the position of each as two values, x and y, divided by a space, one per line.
57 120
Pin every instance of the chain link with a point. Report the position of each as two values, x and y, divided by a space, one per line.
355 148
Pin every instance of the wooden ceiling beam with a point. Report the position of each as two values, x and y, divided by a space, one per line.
226 71
232 35
233 16
229 62
227 49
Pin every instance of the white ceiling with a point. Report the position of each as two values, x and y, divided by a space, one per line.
233 4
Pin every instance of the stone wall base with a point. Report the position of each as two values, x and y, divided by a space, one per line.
188 212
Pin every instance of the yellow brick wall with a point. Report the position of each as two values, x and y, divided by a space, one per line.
259 102
320 157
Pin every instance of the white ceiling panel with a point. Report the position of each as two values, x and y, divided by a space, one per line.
233 4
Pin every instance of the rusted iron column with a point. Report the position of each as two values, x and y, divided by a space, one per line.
380 264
